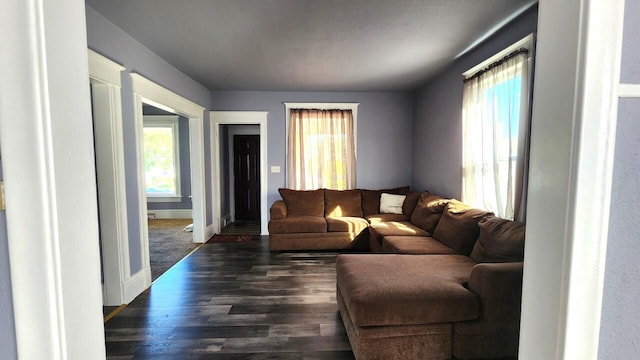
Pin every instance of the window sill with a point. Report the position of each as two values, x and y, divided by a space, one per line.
151 198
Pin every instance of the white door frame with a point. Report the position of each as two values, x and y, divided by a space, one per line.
48 162
572 150
109 147
238 118
145 90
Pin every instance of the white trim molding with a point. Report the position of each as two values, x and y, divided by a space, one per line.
572 147
525 43
163 98
629 90
134 283
49 181
209 232
198 190
151 93
104 69
218 118
109 147
163 199
143 234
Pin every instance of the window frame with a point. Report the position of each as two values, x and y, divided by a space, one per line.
171 122
321 106
527 42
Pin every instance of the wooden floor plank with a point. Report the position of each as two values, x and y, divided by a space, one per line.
235 301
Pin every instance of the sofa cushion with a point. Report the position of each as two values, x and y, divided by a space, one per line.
298 224
500 240
342 203
346 224
458 226
410 203
415 245
387 290
428 211
376 218
377 231
303 202
391 203
371 199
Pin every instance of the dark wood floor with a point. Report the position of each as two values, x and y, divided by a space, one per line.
235 301
242 228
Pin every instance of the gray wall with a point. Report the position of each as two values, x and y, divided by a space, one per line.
7 323
437 128
620 322
383 133
109 40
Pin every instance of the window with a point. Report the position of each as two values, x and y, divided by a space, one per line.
495 121
161 158
321 146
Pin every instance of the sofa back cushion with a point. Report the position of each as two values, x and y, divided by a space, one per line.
428 211
340 203
303 202
371 199
410 203
500 240
458 226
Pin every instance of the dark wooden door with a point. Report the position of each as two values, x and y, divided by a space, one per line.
246 172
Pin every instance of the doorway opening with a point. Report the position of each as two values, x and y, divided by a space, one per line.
225 126
147 93
240 146
168 188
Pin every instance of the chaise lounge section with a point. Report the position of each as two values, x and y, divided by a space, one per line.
437 305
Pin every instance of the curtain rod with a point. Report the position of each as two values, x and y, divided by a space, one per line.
497 63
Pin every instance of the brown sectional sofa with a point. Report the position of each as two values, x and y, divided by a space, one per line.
329 219
444 280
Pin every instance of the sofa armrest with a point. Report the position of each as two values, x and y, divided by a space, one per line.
498 285
496 331
278 210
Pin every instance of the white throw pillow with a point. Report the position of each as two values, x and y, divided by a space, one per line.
391 204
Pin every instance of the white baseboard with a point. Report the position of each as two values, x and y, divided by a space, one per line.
170 214
136 284
208 232
225 220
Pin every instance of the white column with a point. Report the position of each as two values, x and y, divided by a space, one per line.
572 147
47 151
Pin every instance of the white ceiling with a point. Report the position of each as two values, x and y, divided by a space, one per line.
312 45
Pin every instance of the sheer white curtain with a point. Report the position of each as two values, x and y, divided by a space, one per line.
495 136
320 150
